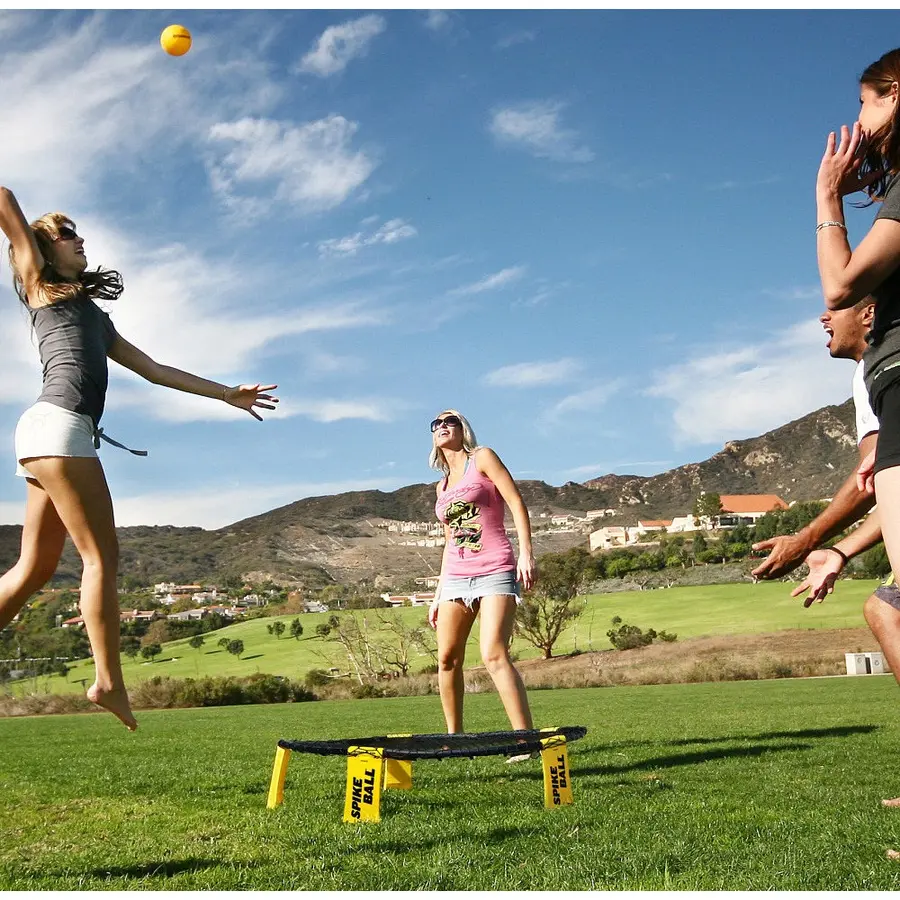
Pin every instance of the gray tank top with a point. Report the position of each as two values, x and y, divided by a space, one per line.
74 337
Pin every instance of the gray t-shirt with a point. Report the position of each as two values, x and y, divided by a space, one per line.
74 337
887 294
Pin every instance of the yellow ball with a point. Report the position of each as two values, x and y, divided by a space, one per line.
175 40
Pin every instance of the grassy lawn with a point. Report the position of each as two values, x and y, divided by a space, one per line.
736 785
689 612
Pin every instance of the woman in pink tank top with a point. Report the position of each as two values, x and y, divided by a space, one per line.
479 571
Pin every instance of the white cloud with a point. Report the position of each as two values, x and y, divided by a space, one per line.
533 374
515 37
390 232
340 44
602 468
310 166
436 19
492 282
177 407
587 400
730 394
536 127
108 108
215 507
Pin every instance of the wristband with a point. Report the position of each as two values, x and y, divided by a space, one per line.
822 225
841 554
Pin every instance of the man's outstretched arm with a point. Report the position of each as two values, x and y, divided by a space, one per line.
848 506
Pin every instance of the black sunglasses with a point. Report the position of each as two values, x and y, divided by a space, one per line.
65 233
449 421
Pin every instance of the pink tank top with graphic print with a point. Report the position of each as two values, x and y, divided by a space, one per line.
474 510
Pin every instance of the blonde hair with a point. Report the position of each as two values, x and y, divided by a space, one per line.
436 458
102 284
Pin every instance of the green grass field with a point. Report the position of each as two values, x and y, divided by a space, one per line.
689 612
752 785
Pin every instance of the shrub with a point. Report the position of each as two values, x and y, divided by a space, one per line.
317 678
628 637
164 692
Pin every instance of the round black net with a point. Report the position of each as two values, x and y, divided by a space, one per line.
441 746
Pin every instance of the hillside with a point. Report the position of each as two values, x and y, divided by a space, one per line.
319 539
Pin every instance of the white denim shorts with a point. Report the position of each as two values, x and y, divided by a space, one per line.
49 430
471 590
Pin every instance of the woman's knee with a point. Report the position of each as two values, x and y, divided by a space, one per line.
450 659
102 554
495 657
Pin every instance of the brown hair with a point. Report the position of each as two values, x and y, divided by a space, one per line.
883 152
101 284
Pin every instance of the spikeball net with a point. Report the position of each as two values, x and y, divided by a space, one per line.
441 746
384 762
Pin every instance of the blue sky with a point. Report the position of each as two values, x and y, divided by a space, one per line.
591 232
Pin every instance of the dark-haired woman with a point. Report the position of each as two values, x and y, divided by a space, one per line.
56 438
867 158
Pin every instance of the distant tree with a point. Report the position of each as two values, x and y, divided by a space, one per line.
158 633
323 630
131 646
546 610
699 544
620 566
149 651
278 628
197 641
222 642
235 648
708 506
296 629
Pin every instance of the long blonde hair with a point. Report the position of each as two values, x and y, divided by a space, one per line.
101 284
436 459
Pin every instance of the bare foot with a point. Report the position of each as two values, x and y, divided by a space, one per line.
116 702
893 802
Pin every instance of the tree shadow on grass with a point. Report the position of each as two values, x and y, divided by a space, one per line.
836 731
255 656
211 652
161 869
671 761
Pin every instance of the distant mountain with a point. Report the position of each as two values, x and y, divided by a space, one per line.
319 539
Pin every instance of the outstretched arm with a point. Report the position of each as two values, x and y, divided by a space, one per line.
849 505
489 464
29 260
244 396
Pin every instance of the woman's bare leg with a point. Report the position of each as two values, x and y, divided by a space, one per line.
454 622
498 615
43 536
78 489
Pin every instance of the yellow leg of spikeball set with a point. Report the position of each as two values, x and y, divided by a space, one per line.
557 778
365 770
398 772
279 771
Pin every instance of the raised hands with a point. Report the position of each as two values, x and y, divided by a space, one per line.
839 173
247 396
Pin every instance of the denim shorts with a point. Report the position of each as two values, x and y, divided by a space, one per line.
471 590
